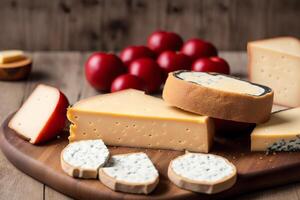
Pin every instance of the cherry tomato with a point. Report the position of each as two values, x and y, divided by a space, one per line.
212 64
171 61
196 48
132 53
102 68
127 81
148 70
160 41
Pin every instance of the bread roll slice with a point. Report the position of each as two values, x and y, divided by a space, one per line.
219 96
83 159
131 173
204 173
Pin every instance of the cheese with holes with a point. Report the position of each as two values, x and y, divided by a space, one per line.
276 63
280 133
131 118
11 56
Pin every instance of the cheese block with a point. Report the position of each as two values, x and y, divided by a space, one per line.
276 63
42 116
131 173
10 56
204 173
83 159
280 133
132 119
219 96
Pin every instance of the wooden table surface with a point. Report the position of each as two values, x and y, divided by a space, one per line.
65 70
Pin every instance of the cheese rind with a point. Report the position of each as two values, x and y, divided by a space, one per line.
10 56
218 96
276 63
82 159
280 133
132 173
204 173
131 118
42 116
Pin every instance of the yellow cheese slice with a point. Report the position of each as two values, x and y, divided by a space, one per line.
11 56
280 133
131 118
276 64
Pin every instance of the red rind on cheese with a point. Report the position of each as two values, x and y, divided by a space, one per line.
42 116
56 122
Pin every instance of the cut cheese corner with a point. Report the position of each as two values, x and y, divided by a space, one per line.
280 133
275 63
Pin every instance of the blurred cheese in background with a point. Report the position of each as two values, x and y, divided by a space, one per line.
276 63
10 56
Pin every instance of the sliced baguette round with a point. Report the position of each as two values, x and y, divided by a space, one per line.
130 173
82 159
203 173
219 96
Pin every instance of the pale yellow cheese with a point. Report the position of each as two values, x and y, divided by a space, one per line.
131 118
10 56
283 127
276 63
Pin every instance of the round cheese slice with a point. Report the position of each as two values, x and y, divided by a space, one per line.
204 173
82 159
219 96
131 173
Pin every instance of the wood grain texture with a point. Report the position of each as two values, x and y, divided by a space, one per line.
113 24
15 185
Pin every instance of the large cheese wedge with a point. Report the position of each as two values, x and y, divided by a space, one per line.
276 63
132 119
280 133
42 116
219 96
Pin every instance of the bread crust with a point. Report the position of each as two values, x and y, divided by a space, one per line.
202 186
216 103
123 186
78 172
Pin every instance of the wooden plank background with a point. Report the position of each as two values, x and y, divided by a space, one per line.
113 24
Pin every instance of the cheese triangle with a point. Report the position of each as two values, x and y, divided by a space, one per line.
131 118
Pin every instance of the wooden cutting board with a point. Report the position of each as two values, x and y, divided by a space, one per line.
255 170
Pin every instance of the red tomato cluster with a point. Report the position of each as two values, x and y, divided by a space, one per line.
146 67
